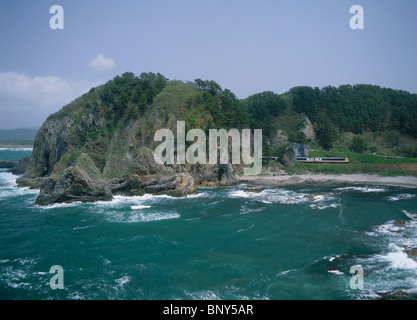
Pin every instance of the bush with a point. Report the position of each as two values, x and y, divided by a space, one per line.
358 144
409 151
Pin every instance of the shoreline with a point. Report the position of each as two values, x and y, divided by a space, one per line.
329 179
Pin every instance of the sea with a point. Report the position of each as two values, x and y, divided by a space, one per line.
232 243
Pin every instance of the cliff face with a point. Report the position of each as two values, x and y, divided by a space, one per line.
101 145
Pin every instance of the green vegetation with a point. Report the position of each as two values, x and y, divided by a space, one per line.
358 144
363 122
357 109
359 163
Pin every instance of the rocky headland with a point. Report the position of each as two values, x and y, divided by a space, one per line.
97 146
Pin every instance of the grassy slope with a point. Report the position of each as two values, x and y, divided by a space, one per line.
360 163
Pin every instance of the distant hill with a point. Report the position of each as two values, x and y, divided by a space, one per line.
23 136
14 134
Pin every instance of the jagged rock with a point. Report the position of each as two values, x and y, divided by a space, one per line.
20 167
16 167
300 150
146 176
412 253
399 222
278 140
8 164
80 182
213 174
397 295
288 158
307 129
177 185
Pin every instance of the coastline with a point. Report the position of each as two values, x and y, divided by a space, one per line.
329 179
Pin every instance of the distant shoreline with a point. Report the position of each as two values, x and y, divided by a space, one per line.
329 179
3 146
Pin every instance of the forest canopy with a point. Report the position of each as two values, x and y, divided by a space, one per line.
331 110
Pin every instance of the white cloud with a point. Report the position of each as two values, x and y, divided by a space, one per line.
49 90
25 100
102 63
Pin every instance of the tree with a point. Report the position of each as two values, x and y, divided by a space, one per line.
358 144
262 107
326 132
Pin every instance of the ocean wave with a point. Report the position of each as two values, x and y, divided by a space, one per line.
246 210
59 205
20 273
16 149
281 196
326 206
283 273
363 189
398 258
138 200
139 216
9 187
411 215
202 295
402 196
82 228
8 179
335 271
121 282
139 207
241 230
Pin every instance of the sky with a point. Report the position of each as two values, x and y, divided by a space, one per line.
247 46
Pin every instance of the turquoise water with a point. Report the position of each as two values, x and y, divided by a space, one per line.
222 243
14 153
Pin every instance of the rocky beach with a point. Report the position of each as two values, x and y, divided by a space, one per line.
327 179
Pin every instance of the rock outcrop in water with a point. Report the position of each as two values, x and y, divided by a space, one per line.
101 144
82 181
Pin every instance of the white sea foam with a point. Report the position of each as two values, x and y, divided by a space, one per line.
8 179
19 273
283 273
412 216
326 206
338 272
139 200
140 216
398 259
16 149
59 205
122 281
247 210
245 229
203 295
363 189
402 196
9 188
282 196
81 228
139 207
241 194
